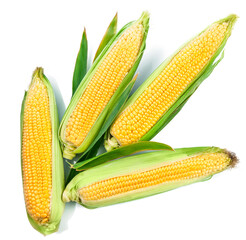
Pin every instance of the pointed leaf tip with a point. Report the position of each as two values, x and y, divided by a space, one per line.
110 32
84 33
80 68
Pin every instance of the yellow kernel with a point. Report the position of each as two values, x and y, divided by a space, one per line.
189 168
37 151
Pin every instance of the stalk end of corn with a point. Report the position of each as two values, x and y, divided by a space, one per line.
65 197
70 195
44 230
68 152
111 144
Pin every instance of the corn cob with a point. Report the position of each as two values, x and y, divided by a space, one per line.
109 75
164 93
42 163
146 174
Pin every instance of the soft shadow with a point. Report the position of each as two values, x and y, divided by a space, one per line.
59 99
61 108
149 63
67 215
101 150
70 206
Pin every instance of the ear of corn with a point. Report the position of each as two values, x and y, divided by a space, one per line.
93 149
146 174
168 88
41 158
79 73
104 82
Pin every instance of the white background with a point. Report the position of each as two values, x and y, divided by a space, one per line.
48 34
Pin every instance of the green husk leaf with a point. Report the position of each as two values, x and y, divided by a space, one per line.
109 34
88 142
120 152
81 62
57 205
22 115
135 164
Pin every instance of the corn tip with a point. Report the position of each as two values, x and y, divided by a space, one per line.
233 157
37 72
65 197
144 18
232 17
84 32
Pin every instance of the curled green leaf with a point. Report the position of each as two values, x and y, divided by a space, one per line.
120 152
